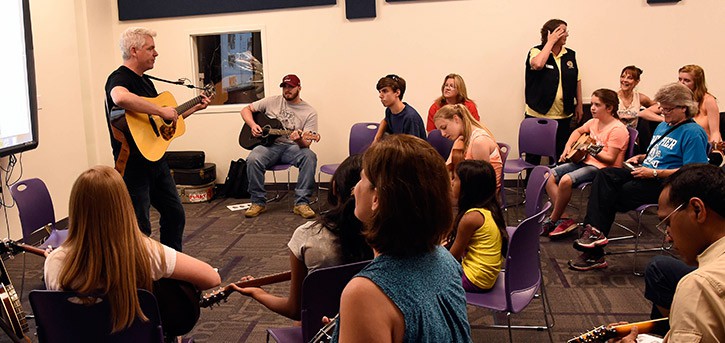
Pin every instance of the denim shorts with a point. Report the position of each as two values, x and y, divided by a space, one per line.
578 172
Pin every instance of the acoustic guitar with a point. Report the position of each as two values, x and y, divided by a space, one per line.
271 130
152 133
585 145
603 333
223 293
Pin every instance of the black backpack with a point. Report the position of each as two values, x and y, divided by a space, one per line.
236 184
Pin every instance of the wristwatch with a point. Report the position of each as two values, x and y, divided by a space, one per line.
654 173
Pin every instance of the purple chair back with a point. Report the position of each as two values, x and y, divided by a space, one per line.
504 149
633 133
361 136
441 144
523 271
321 293
58 318
537 136
535 190
35 206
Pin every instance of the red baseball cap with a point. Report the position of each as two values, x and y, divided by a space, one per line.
291 80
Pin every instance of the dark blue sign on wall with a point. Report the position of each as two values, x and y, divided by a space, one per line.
145 9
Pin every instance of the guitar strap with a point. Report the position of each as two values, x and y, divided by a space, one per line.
665 135
122 159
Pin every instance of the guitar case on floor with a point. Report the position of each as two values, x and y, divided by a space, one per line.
185 159
195 176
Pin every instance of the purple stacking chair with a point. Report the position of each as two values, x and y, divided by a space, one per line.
321 293
518 284
361 136
60 317
537 136
442 144
37 217
504 149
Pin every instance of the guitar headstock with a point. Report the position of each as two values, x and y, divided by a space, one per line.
9 247
599 334
209 90
311 136
215 297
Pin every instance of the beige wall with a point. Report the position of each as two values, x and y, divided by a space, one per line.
339 62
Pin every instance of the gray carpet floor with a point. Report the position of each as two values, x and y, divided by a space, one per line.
241 246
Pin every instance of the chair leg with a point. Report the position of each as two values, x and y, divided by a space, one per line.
22 280
547 312
276 196
508 319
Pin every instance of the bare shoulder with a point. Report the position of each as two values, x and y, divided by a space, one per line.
473 219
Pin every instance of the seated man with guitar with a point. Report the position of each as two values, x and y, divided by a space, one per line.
142 123
676 142
693 213
600 142
284 127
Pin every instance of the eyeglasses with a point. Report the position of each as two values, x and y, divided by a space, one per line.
666 110
664 224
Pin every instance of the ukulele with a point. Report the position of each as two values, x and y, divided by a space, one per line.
325 333
716 156
152 133
271 129
585 145
603 333
223 293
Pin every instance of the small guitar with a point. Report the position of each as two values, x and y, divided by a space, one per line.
585 145
325 333
717 157
603 333
271 129
223 293
153 134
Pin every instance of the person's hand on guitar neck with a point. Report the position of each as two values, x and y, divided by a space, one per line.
297 137
246 291
630 338
205 101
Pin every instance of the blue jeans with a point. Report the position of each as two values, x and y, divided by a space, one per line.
578 172
263 157
151 184
660 278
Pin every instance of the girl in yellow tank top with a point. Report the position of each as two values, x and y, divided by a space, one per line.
479 236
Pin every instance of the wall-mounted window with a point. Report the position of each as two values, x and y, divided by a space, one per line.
233 63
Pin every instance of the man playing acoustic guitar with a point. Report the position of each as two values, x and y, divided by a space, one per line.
148 182
295 114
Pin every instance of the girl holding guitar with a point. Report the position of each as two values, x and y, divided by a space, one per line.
607 131
332 240
471 139
106 253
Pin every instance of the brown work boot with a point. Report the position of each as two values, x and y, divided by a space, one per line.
254 211
304 210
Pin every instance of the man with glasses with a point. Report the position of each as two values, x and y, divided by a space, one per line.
676 142
399 116
693 213
297 115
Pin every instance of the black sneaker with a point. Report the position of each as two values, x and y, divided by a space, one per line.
591 238
586 262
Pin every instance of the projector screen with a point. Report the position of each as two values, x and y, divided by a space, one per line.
19 115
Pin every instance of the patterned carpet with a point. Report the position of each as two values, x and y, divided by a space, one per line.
240 246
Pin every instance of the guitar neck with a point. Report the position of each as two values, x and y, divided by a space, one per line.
31 249
604 333
223 293
280 132
643 327
181 109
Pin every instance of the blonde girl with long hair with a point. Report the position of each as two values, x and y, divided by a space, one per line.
106 253
473 139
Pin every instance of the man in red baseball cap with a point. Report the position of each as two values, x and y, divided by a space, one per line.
289 112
